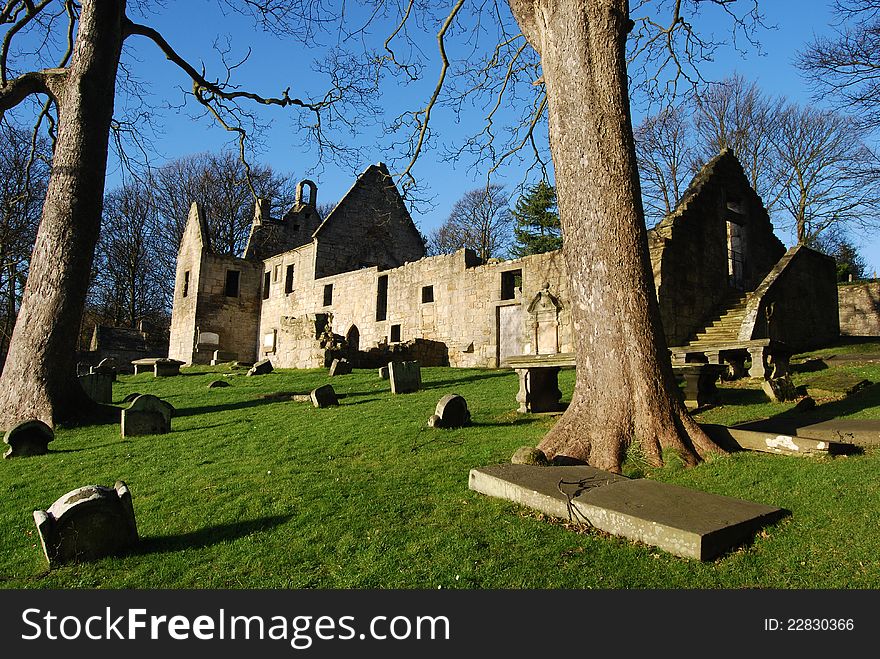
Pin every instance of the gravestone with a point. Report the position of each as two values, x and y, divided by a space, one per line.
383 372
217 383
780 389
167 367
106 366
98 386
83 368
262 367
130 397
147 415
87 523
28 438
223 356
340 367
451 412
406 377
324 396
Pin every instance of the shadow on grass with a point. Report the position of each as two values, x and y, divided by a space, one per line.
212 409
861 400
208 536
473 377
740 397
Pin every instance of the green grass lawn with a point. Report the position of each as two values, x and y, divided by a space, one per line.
250 492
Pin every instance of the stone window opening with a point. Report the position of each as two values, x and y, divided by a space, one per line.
328 294
276 272
266 282
510 282
288 279
233 277
427 294
382 298
395 334
186 283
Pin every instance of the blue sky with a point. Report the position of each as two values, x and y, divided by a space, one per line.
193 26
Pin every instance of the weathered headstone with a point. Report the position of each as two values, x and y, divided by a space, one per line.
780 389
406 377
262 367
147 415
383 372
28 438
340 367
87 523
451 412
167 367
98 386
214 384
130 398
223 356
106 366
324 396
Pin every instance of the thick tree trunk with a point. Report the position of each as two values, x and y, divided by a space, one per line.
625 390
39 377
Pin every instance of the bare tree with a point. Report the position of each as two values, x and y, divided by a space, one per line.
846 67
24 172
735 114
129 285
834 178
664 151
219 183
38 379
480 221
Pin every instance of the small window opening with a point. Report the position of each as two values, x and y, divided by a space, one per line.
288 279
266 276
232 282
276 273
328 294
186 283
510 281
395 334
382 298
427 294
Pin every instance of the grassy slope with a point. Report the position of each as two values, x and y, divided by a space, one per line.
250 493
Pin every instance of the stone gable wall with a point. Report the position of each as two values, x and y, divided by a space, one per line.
369 227
859 308
689 248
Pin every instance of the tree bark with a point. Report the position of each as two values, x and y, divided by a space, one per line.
39 377
624 389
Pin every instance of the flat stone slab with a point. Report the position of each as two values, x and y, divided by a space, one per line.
734 438
859 432
684 522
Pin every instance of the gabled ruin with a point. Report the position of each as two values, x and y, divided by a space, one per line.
357 284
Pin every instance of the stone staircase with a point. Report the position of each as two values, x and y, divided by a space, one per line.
724 327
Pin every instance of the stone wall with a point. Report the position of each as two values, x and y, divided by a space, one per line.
369 227
859 308
796 303
689 248
461 308
201 305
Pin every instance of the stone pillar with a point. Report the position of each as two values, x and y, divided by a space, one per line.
758 368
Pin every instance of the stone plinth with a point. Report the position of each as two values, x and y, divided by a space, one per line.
167 367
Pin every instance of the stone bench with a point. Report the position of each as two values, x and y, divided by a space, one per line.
539 381
769 357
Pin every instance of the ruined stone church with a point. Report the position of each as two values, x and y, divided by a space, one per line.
358 283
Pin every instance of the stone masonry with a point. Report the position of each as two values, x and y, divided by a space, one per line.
357 284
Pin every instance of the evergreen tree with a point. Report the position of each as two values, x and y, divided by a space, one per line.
537 227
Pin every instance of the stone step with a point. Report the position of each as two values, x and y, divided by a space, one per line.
682 521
